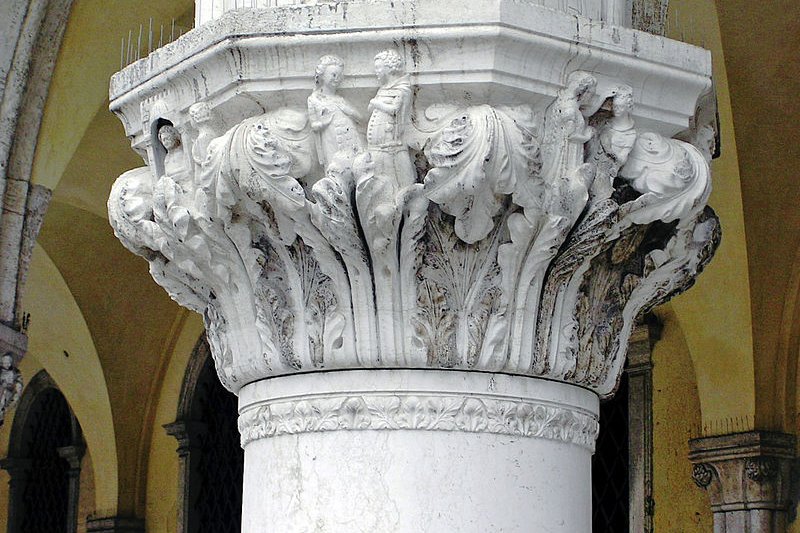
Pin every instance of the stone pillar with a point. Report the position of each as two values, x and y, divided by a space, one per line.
640 429
417 450
188 434
18 472
747 477
73 455
420 237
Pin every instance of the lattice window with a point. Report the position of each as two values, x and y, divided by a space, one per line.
610 491
220 464
45 494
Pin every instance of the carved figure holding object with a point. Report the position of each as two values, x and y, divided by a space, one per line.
390 115
614 141
334 121
618 135
170 194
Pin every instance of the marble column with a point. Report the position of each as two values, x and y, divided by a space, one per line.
748 479
420 237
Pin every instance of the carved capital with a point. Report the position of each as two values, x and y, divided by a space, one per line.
417 228
745 474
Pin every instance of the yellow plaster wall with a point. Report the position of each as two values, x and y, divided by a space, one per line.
57 325
715 314
89 55
162 474
680 507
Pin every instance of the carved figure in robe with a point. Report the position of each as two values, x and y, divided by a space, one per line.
10 384
566 133
171 192
390 115
614 142
335 122
206 122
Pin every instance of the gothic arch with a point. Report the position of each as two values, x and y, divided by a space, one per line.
44 461
211 461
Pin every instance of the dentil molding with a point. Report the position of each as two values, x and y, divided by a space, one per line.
369 195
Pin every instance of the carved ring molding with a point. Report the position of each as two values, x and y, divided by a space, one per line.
474 414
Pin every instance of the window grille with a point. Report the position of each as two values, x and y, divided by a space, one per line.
220 466
610 491
45 494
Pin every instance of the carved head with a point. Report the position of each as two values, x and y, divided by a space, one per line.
7 361
200 112
329 71
169 137
622 100
388 63
581 85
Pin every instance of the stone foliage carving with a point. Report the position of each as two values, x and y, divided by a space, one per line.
474 414
496 238
702 474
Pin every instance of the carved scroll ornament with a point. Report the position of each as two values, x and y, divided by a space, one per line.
486 238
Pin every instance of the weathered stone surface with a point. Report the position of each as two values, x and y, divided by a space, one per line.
747 477
447 213
488 229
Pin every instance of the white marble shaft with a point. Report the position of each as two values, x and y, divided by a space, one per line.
416 451
348 191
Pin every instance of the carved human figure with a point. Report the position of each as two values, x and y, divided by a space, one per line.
614 142
205 121
174 185
566 130
175 158
10 384
618 135
333 120
390 115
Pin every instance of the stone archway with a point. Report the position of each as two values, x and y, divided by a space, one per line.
44 461
211 460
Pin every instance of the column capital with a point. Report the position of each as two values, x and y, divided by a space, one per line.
73 454
389 218
746 475
186 432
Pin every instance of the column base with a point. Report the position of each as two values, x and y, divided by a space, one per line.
416 451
